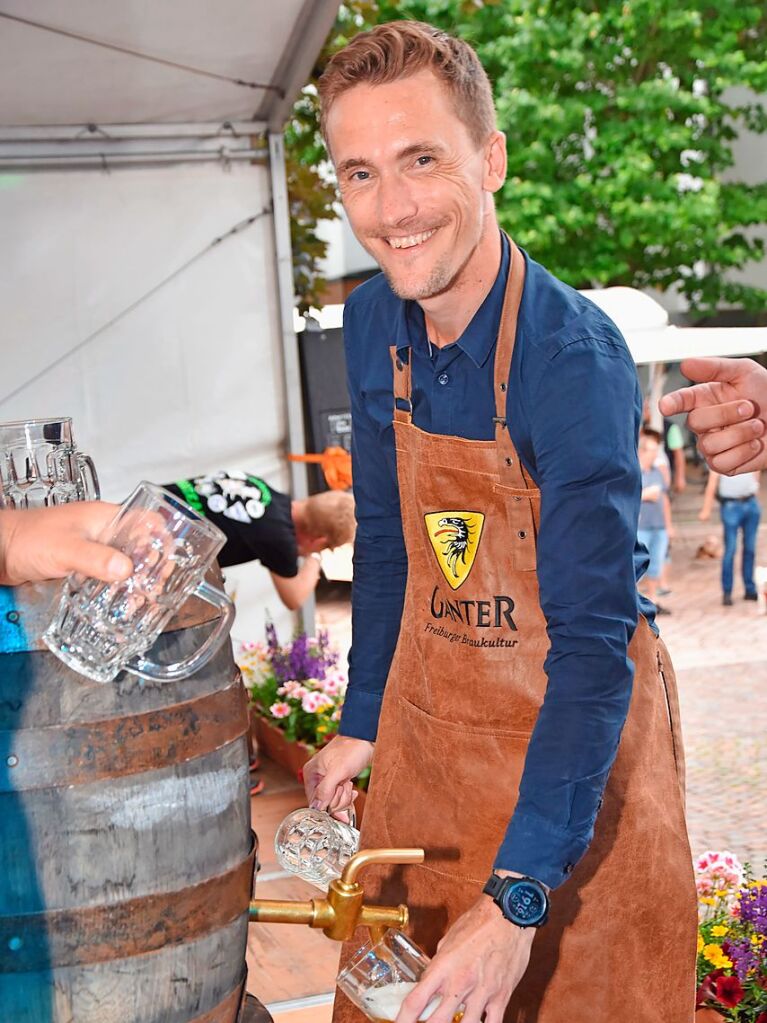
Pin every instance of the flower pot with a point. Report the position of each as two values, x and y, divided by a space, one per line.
272 743
708 1015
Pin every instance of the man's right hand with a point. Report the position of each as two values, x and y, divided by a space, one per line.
727 409
328 775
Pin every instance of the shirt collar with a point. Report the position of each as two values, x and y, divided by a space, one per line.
478 340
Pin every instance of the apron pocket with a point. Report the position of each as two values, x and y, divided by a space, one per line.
450 789
521 510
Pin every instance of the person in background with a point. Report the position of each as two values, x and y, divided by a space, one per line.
727 410
655 526
262 524
740 511
49 543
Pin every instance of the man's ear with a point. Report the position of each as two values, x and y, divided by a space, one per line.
495 162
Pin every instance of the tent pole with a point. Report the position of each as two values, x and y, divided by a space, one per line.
291 369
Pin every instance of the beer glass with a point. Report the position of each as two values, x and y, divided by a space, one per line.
382 975
315 846
41 466
103 628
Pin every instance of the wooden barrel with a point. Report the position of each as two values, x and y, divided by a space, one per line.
126 855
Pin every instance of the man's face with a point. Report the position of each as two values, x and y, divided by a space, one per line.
414 185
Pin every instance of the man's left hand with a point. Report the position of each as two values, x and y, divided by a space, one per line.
478 964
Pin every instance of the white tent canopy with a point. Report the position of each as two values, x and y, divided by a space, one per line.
145 267
644 324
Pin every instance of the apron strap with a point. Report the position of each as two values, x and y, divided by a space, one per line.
523 496
403 405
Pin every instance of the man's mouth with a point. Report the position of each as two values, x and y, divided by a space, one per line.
411 240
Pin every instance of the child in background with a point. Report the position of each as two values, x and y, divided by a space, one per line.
655 527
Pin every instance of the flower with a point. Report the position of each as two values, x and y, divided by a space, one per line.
729 991
716 956
296 686
732 939
312 702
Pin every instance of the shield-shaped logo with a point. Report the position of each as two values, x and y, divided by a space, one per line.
454 537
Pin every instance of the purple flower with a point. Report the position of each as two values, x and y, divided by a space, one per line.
744 955
753 907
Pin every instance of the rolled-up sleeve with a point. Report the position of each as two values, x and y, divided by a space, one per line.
380 559
583 416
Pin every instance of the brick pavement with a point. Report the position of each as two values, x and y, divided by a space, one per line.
720 656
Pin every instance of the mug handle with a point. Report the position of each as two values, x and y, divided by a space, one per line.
88 477
145 668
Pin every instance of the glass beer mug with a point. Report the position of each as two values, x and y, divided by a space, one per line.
315 846
41 466
100 629
381 976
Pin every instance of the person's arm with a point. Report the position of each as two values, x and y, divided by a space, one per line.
680 470
727 409
708 496
584 415
49 543
667 515
293 591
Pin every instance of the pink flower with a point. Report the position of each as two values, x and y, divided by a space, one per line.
331 686
312 702
279 710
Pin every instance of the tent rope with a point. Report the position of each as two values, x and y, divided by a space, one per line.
243 83
239 227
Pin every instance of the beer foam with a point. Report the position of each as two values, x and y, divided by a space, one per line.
384 1003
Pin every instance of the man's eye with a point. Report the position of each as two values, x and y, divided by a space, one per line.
423 161
360 175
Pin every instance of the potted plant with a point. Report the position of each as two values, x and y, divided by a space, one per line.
296 692
732 941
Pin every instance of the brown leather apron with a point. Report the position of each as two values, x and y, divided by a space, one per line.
463 694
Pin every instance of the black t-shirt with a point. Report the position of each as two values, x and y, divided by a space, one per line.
255 518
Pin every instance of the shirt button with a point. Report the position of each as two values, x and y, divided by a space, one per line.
443 378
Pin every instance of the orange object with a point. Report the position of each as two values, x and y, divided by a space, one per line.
336 466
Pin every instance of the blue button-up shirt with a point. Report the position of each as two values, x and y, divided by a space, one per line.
574 408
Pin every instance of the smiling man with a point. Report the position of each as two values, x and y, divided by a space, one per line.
506 680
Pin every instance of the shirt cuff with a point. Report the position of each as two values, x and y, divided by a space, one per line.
359 717
535 847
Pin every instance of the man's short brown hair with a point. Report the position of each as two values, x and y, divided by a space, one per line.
331 514
400 49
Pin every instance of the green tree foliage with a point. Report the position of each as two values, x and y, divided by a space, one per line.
620 117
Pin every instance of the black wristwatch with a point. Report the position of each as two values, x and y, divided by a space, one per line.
522 900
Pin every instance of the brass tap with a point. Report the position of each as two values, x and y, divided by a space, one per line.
342 911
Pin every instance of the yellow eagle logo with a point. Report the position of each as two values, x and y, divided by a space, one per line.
454 537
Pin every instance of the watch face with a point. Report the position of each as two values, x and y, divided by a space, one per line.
525 904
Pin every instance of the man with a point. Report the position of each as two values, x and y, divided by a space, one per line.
496 531
262 524
49 543
727 409
740 510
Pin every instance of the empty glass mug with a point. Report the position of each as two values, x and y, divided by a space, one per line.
101 629
315 846
380 976
41 466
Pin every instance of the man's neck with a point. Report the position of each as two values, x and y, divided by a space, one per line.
448 315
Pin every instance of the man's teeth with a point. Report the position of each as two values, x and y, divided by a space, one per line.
410 241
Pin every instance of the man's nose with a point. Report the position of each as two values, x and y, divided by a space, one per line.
396 203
